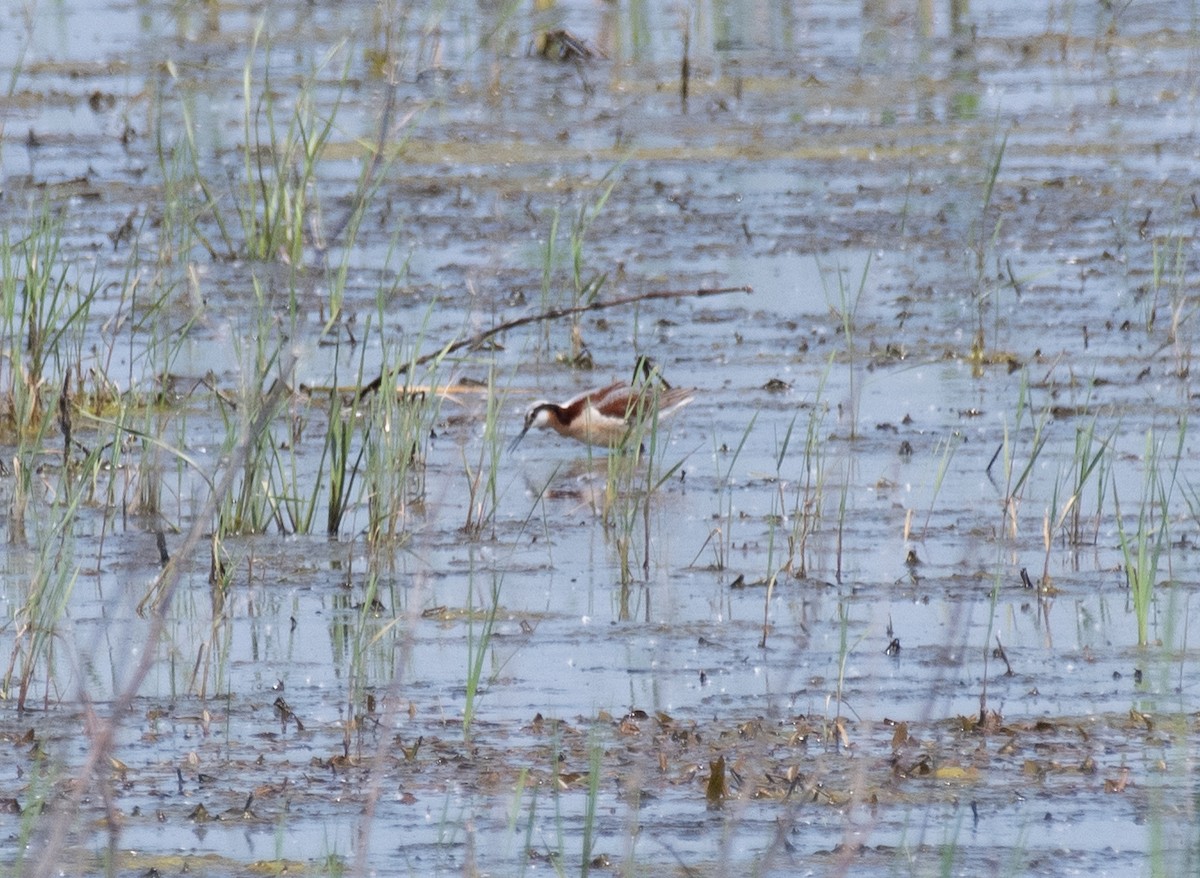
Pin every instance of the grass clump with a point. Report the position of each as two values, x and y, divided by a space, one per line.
1142 547
44 317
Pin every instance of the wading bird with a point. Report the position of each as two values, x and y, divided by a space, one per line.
606 416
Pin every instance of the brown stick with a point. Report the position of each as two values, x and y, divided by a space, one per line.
685 67
546 316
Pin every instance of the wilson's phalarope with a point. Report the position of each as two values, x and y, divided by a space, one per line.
605 416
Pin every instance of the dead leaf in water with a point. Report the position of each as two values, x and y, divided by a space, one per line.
1144 719
1118 785
410 753
956 772
716 790
839 726
563 46
119 768
568 779
199 814
923 767
1033 768
750 729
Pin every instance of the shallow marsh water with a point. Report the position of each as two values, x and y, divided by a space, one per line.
971 247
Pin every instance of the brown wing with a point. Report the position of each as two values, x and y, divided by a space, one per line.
596 395
592 394
628 403
615 401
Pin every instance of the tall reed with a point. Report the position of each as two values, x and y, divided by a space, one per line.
483 480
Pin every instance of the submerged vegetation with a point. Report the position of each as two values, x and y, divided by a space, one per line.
922 542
